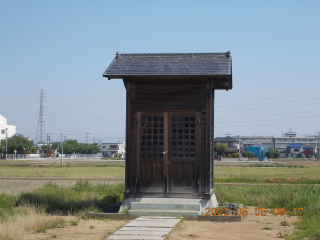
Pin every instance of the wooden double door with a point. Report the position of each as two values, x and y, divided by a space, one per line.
168 151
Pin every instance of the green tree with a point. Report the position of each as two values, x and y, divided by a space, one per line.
248 154
272 154
235 155
55 145
221 148
18 143
46 148
33 150
72 146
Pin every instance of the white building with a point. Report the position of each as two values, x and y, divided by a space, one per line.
279 142
3 127
109 149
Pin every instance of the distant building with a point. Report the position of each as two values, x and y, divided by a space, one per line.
298 150
109 149
233 145
3 126
279 142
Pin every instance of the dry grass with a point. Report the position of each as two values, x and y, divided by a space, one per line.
25 219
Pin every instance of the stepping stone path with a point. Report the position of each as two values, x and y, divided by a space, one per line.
146 228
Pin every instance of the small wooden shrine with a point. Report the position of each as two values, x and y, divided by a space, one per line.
170 121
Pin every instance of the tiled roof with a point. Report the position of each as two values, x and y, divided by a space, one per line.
170 64
225 139
307 147
295 145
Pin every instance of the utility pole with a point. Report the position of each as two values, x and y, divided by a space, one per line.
40 129
319 147
94 140
6 142
61 150
48 139
87 137
239 149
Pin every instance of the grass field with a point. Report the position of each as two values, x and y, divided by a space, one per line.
67 171
82 196
308 173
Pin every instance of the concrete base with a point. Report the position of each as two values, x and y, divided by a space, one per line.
204 203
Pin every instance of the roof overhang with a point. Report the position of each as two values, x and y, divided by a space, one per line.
214 66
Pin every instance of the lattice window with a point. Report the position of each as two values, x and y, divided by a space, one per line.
183 137
152 137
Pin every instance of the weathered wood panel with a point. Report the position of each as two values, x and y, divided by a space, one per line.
170 96
203 154
151 174
133 154
183 174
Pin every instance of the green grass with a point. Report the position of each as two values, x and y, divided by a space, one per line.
280 196
267 228
277 165
81 196
74 223
68 171
302 174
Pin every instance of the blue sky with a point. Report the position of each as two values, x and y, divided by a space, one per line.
64 47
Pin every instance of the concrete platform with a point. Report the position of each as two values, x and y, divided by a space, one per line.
179 206
203 203
168 209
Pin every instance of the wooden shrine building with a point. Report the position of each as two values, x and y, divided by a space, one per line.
170 121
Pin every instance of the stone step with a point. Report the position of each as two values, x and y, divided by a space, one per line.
165 206
164 213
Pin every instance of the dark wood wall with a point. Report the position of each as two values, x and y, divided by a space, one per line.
167 95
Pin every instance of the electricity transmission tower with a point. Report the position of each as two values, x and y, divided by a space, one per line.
40 129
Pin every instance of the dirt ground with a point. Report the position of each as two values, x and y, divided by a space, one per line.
251 227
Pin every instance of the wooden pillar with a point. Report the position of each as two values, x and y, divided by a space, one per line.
127 85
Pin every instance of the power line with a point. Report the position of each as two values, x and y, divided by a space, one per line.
81 106
67 115
268 98
288 123
123 105
270 119
86 99
82 113
284 106
72 119
266 103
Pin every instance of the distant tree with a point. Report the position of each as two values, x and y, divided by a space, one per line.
33 150
272 154
55 145
235 155
46 148
94 148
221 148
248 154
18 143
72 146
